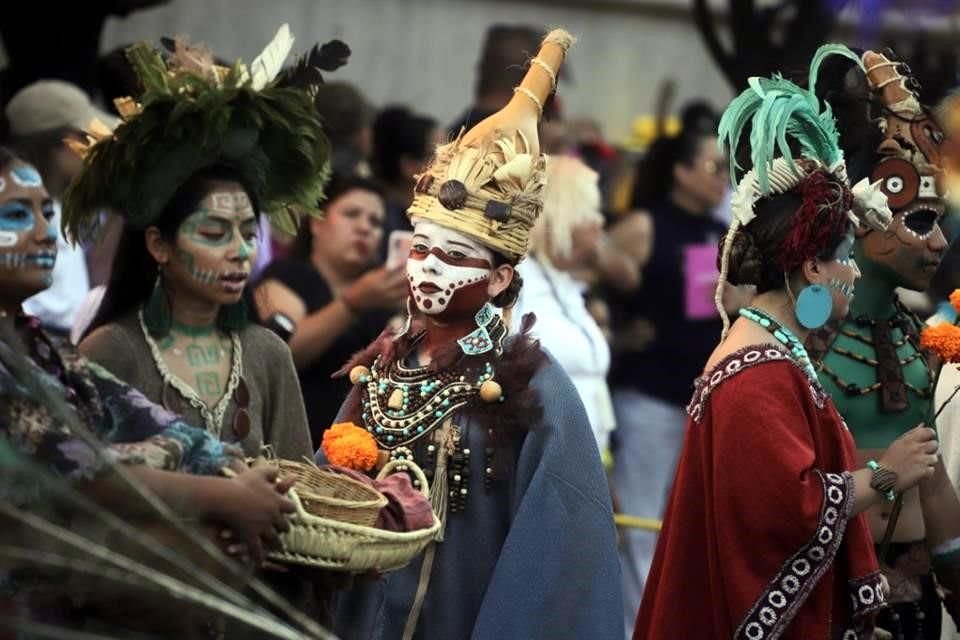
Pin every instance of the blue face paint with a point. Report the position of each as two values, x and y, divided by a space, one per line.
42 260
16 217
26 176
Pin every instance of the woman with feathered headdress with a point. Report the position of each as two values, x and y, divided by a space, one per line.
764 525
202 153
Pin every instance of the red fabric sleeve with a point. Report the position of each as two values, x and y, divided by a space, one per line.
775 509
756 533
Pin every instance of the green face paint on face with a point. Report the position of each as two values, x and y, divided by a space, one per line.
216 245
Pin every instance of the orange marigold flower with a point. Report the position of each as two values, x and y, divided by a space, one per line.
943 339
347 445
955 300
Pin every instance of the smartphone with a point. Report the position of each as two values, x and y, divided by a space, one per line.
398 248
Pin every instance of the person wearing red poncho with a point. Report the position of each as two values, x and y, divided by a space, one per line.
763 536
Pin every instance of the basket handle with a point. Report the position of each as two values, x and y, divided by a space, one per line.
413 467
294 497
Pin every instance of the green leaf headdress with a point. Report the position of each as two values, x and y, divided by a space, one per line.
258 120
783 119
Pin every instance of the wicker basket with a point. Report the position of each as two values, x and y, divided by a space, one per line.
343 546
328 494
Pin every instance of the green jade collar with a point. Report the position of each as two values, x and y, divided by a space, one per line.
784 336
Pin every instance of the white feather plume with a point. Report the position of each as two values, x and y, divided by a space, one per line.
267 65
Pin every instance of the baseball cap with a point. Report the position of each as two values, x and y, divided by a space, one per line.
47 105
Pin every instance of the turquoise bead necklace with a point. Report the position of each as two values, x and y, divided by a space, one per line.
784 336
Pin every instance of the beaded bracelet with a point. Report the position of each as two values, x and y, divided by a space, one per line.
883 480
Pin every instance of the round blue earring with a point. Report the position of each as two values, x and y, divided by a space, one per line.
814 305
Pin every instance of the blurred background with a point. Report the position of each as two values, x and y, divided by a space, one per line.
425 52
622 270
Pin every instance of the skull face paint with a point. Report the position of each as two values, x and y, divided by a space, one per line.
216 246
910 174
448 272
842 274
28 249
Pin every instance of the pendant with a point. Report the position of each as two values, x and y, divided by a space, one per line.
396 400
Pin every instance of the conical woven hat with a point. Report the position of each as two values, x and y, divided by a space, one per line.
488 182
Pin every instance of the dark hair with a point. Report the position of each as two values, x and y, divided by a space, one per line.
134 270
37 148
842 84
507 297
343 109
503 60
117 77
338 185
398 132
699 116
755 253
7 157
655 170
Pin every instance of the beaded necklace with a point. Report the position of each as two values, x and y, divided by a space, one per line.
784 336
409 410
902 319
212 416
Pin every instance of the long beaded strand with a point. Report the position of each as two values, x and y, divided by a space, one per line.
784 336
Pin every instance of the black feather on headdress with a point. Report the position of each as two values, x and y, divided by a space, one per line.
193 114
305 72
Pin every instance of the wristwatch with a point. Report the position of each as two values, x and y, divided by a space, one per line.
883 481
282 325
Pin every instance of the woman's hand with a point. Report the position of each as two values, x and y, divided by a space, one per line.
912 456
253 507
377 289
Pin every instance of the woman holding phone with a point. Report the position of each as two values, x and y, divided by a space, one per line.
329 300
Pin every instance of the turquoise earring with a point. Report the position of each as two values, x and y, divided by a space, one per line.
814 305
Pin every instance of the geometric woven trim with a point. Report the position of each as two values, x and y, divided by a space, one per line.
776 607
739 361
866 595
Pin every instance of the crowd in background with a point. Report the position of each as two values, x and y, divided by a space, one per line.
621 274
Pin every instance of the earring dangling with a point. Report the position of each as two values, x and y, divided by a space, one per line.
813 306
478 341
157 315
234 317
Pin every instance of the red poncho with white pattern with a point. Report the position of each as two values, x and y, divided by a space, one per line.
757 541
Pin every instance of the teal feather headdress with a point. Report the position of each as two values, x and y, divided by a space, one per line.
259 120
778 112
785 119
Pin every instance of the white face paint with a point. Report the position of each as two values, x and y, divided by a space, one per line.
8 239
448 271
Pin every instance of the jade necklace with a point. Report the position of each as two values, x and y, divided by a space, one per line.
784 336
